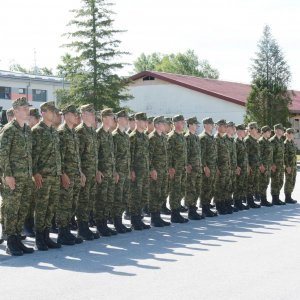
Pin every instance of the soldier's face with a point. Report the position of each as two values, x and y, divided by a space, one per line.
48 115
267 134
160 127
290 136
32 121
123 122
279 132
22 112
222 129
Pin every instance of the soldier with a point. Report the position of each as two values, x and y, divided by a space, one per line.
131 124
209 164
194 169
139 148
16 168
290 163
255 166
158 161
277 168
266 156
122 159
223 205
240 189
57 118
10 115
46 166
89 160
72 177
34 117
150 126
177 167
106 167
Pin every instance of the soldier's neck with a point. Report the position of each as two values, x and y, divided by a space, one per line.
48 123
20 122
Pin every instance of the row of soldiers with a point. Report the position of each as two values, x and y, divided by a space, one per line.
75 170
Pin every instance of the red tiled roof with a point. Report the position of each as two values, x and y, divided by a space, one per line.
229 91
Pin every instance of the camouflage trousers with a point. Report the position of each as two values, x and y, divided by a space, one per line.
68 201
253 181
221 183
240 189
277 180
177 188
47 198
86 199
290 181
31 208
192 191
139 192
158 191
104 198
207 186
231 183
264 180
121 199
2 203
16 204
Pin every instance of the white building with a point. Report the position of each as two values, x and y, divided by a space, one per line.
167 94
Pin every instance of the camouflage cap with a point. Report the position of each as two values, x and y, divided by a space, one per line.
87 108
131 117
230 124
192 120
150 119
34 112
208 121
222 122
20 102
70 109
169 120
265 129
178 118
278 126
58 111
48 106
140 116
159 119
290 130
9 113
252 125
240 127
122 114
107 112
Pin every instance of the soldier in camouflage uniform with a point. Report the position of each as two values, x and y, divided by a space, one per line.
240 189
209 164
255 166
277 168
16 169
89 160
72 177
158 162
150 126
266 156
122 159
132 124
290 164
177 166
106 166
46 166
194 169
139 148
10 115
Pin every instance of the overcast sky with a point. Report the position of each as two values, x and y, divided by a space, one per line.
223 32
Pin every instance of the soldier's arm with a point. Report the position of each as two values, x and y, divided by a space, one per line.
63 149
6 140
36 150
170 152
151 152
203 152
132 151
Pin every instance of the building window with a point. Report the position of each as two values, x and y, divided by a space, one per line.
5 92
148 78
21 91
39 95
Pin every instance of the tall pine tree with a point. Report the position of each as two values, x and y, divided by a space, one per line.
92 70
269 99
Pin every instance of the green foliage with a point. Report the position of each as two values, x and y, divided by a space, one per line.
34 70
186 63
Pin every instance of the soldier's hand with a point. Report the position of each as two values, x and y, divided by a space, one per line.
133 177
238 171
99 177
153 175
116 178
273 168
65 180
189 169
262 168
82 179
172 172
38 179
11 182
289 170
207 171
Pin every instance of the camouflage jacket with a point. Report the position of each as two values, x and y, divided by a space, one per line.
290 154
16 150
139 149
46 159
278 150
266 151
121 151
253 151
69 150
223 152
208 150
88 149
158 152
241 153
231 146
177 151
193 151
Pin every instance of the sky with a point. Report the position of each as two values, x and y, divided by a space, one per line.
223 32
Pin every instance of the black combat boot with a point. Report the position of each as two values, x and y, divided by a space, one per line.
289 199
164 210
136 225
40 241
77 239
264 201
63 237
155 220
165 223
176 217
229 208
145 226
73 224
12 247
220 207
251 202
28 228
84 232
127 215
276 200
25 249
183 209
146 212
192 214
50 243
53 228
239 204
257 196
207 212
3 236
102 228
118 225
